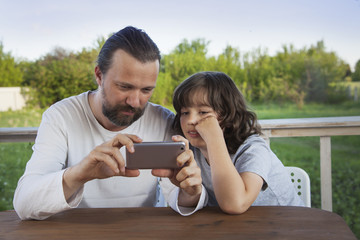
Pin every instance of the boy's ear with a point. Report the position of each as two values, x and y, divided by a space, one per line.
98 75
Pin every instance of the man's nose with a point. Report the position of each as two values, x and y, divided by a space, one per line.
133 99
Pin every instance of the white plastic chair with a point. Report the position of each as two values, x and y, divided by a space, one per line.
301 182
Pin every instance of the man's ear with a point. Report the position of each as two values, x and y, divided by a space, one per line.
98 75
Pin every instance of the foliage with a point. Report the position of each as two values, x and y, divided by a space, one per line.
297 75
10 73
164 88
229 62
356 74
305 75
60 74
186 59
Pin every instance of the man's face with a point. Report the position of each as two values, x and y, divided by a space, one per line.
126 88
121 115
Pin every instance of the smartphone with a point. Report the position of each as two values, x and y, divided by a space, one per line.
151 155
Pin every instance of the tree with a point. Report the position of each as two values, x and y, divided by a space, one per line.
10 73
324 70
186 59
229 63
288 80
258 74
60 74
310 74
356 74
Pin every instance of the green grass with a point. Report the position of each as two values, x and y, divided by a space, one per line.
303 152
12 163
278 111
21 118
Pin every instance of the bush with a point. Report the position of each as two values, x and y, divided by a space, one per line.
59 75
10 73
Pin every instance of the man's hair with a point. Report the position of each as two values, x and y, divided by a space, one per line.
221 93
133 41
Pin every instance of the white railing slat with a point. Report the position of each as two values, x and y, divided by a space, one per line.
325 173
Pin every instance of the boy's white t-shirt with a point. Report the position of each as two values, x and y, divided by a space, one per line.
69 132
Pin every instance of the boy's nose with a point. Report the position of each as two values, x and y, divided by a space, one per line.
193 119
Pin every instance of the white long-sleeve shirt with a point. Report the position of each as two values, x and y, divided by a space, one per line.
69 132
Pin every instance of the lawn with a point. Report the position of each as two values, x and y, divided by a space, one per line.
302 152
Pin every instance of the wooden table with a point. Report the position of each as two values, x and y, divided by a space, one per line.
164 223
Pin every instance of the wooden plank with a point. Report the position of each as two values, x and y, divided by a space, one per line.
325 173
259 222
20 134
311 132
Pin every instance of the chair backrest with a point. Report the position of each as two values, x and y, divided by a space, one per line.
301 182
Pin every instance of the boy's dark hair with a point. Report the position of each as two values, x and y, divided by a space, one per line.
237 122
133 41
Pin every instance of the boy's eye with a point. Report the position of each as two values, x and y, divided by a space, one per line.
184 113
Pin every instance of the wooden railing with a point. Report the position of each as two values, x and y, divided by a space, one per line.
315 127
299 127
20 134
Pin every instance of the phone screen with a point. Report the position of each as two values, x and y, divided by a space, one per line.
153 155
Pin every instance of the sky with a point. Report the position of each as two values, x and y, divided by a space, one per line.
30 29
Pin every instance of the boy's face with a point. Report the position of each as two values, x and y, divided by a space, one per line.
190 116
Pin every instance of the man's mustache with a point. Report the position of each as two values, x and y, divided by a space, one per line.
126 108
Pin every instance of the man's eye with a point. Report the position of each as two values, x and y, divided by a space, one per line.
147 90
123 87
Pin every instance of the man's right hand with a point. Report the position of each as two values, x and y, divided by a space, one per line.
104 161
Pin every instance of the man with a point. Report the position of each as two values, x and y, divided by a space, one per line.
76 160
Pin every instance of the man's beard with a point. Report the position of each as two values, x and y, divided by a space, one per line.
114 113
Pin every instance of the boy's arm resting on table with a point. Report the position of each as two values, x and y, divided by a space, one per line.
186 211
171 194
234 192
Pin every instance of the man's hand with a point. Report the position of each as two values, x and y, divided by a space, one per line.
103 161
188 178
